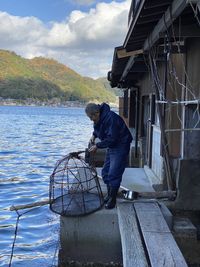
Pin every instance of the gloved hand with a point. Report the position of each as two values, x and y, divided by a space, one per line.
92 141
93 149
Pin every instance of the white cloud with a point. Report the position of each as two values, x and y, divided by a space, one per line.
17 30
84 41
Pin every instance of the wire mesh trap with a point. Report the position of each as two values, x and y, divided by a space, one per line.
74 187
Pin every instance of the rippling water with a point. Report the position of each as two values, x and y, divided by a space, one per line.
32 140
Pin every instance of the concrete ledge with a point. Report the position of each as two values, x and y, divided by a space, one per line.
134 179
92 238
185 234
153 179
167 215
183 227
188 184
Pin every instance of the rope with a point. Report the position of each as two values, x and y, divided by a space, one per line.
15 236
55 252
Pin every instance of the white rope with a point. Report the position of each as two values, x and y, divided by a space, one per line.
187 102
182 130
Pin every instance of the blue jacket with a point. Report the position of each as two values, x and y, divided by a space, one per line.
111 129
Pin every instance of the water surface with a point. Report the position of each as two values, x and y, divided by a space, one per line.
32 140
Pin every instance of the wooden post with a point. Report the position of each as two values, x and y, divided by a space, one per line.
30 205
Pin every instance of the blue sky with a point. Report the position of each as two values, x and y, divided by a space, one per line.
81 34
47 10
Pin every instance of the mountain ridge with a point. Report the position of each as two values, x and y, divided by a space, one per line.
43 79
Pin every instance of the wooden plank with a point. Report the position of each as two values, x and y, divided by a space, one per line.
147 195
161 246
132 248
128 67
30 205
151 218
123 53
164 250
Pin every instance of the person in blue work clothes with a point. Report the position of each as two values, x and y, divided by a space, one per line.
114 135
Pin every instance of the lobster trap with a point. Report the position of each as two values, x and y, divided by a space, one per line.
74 187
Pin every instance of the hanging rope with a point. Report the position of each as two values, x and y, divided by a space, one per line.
158 88
15 235
56 252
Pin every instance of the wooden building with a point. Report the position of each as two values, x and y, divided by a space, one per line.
158 69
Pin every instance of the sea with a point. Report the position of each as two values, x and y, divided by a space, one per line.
32 140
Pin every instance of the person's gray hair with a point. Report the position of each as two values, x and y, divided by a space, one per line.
92 108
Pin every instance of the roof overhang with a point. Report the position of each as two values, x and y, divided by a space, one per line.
175 9
148 14
147 27
123 65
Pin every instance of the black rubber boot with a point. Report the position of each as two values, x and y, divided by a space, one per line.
108 194
112 200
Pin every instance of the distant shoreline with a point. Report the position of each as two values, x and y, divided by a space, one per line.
49 103
38 103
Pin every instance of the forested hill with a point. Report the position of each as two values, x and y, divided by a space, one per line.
43 79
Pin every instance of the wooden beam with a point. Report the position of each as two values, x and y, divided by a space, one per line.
170 15
30 205
146 13
139 68
131 195
146 20
137 36
160 244
156 3
140 29
140 42
133 22
128 68
132 247
123 53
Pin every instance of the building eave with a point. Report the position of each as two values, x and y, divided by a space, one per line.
147 28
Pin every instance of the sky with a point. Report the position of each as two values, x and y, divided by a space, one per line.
81 34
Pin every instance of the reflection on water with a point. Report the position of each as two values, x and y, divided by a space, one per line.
32 140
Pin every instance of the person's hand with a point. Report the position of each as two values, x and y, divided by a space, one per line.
91 141
93 149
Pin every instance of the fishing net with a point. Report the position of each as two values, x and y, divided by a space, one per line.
74 187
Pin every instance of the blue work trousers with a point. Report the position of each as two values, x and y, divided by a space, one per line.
115 164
